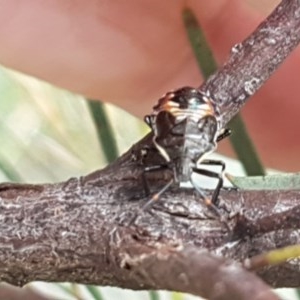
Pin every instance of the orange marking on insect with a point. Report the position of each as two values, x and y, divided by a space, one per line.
208 201
155 197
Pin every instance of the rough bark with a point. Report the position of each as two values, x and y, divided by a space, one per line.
255 59
78 230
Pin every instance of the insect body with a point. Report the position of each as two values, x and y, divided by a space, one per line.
186 127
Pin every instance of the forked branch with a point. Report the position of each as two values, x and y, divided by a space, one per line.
78 230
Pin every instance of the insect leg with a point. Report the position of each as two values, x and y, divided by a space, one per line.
225 133
148 170
213 202
213 174
208 202
157 195
151 201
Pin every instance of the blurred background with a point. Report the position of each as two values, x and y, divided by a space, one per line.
48 134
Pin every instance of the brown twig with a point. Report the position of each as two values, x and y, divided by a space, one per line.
78 230
254 60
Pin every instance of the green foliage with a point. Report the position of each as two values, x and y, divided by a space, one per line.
104 129
154 295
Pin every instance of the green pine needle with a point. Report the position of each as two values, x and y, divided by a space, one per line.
104 130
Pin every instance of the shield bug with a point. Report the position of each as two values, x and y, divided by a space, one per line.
186 128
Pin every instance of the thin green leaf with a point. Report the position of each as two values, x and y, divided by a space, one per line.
287 181
244 148
153 295
9 171
65 288
35 160
95 292
202 51
240 139
104 130
76 291
177 296
272 257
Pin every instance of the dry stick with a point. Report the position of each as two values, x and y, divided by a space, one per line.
254 60
72 231
76 230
